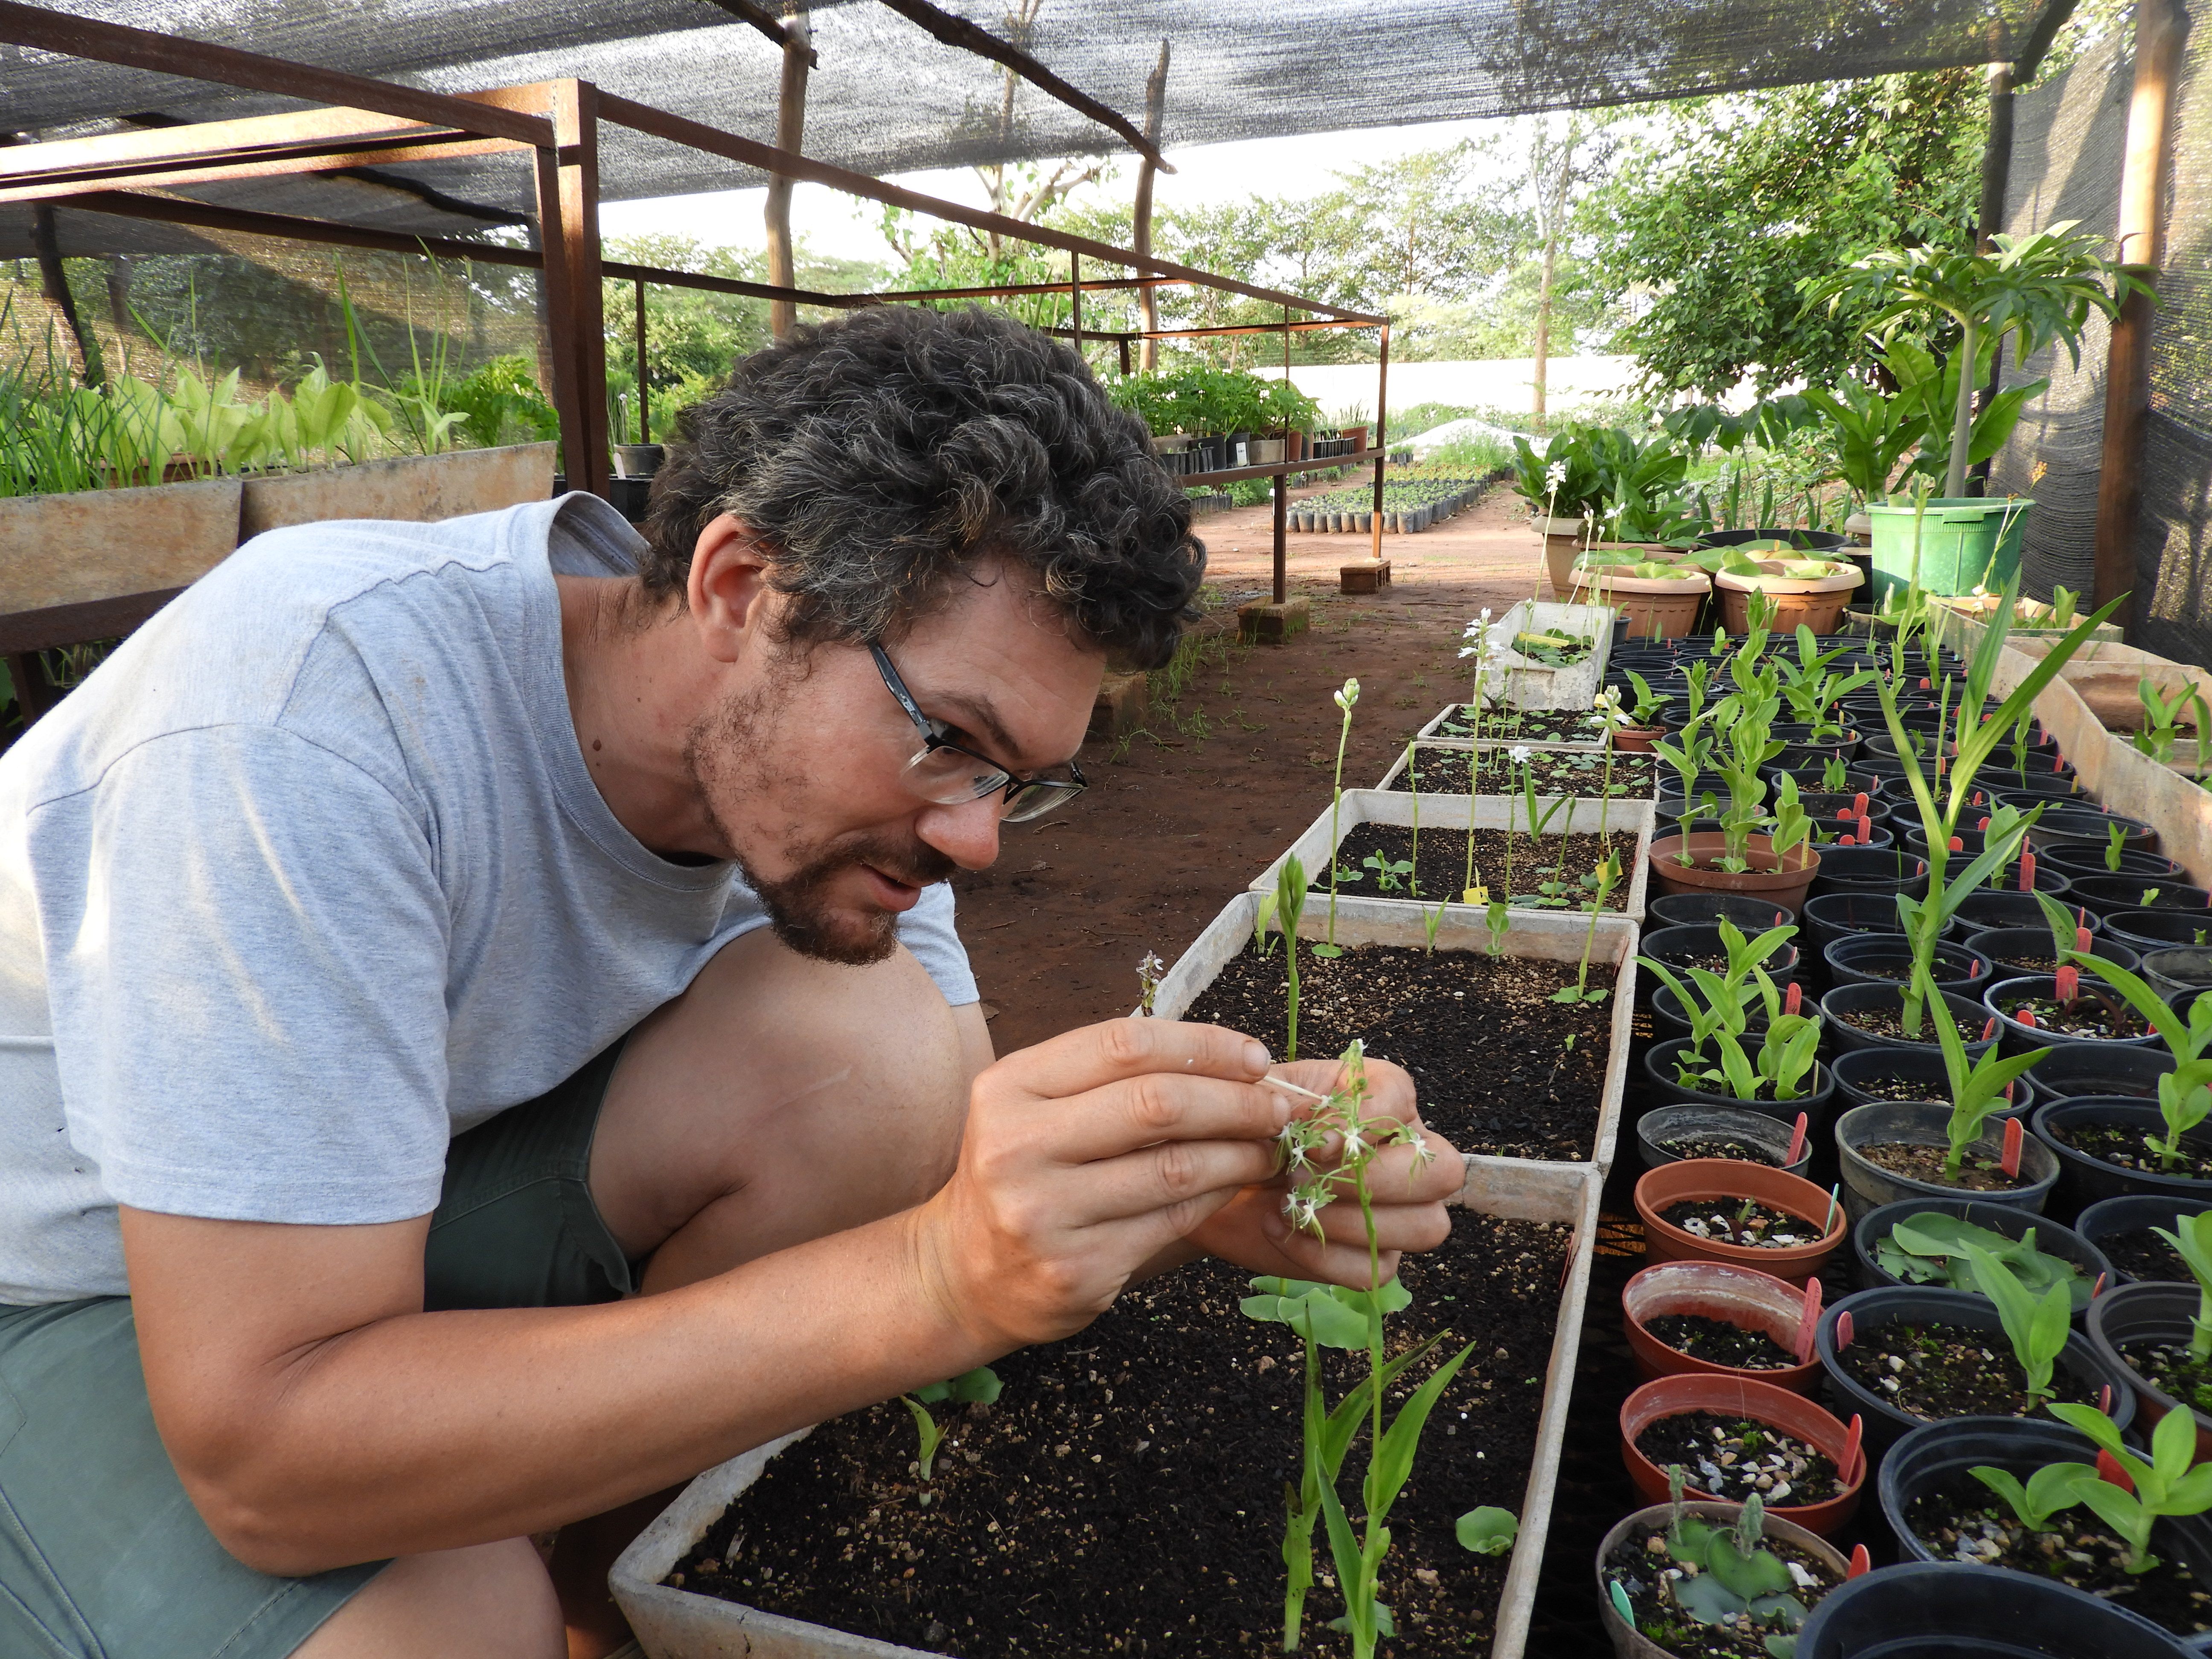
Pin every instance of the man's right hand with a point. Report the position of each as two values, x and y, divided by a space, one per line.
1086 1158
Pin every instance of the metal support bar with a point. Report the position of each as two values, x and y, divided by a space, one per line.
644 413
1282 538
1075 297
1381 433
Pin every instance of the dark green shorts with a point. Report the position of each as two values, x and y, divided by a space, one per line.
101 1554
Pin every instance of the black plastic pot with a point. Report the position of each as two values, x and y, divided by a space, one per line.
1833 916
2108 895
2083 1180
2010 949
2178 971
2099 1070
1659 1078
1866 1185
2147 1313
1813 781
1886 958
2110 1218
2050 1237
1668 1018
1894 1305
1871 870
1846 1000
2016 1038
1677 945
1985 908
2089 826
1922 1064
2077 860
2004 879
1694 909
1828 835
2144 931
1953 1610
1734 1122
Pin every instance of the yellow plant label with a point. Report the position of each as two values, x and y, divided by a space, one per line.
1475 895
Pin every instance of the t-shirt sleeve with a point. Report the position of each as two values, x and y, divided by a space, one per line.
245 943
927 930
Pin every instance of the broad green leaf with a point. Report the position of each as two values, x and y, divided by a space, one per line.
1393 1460
1756 1574
1488 1530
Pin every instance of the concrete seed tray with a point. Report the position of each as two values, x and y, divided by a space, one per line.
1530 684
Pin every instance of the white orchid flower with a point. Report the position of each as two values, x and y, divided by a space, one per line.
1519 754
1556 474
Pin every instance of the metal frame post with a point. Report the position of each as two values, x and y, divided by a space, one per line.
1382 435
644 413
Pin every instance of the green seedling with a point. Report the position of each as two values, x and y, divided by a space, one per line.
2184 1094
2166 1485
2191 1239
1149 973
1344 698
1722 1006
1834 775
1733 1576
1488 1530
1648 706
2162 718
1388 871
1262 913
2048 1491
1607 873
1785 1055
2115 840
1289 905
1497 921
978 1386
2036 1327
1810 685
1930 1248
1976 1091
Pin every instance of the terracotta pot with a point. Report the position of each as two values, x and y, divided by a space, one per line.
1782 878
1669 604
1817 602
1722 1177
1718 1290
1633 1644
1636 739
1762 1402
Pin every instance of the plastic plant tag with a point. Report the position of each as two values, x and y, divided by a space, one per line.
1866 831
1861 807
1792 1000
2068 986
2094 1291
1808 1320
1957 845
1475 895
2082 940
1844 1331
1862 1563
2026 1017
1851 1464
1621 1605
1829 1219
1797 1135
1989 1028
2105 1400
1983 828
2027 873
2109 1470
2014 1143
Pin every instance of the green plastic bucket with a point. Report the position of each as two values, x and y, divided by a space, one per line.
1964 544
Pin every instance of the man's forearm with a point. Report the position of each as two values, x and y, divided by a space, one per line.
427 1430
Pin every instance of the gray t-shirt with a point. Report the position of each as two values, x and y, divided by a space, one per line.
311 876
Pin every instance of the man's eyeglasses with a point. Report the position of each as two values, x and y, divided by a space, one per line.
942 771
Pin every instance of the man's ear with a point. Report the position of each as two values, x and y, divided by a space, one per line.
727 590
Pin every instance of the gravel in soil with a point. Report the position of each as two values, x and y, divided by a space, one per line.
1526 726
1558 772
1689 1147
1719 1343
1888 1022
2025 964
1746 1222
2172 1371
1961 1520
1499 1067
1919 1091
1915 1163
2088 1017
1731 1457
1933 1372
1553 872
1642 1569
2145 1255
2122 1147
1124 1495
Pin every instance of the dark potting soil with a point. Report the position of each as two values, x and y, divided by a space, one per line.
1558 772
1500 1068
2086 1017
1641 1566
1888 1022
1719 1343
1550 874
1527 725
1742 1222
1926 1163
2145 1256
2124 1147
1743 1151
2170 1368
1728 1457
2027 964
1920 1090
1933 1372
1124 1495
1962 1520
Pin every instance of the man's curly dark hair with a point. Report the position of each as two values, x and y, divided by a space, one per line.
881 454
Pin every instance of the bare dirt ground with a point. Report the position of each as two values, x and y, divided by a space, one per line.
1181 816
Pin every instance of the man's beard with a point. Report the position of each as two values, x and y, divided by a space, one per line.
726 752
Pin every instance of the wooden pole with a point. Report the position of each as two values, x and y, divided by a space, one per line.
1282 482
1156 91
1382 439
53 281
2140 237
790 135
1075 297
1996 175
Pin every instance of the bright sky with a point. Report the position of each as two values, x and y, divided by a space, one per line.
834 225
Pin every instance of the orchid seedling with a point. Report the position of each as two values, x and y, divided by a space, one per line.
1648 706
2048 1491
2116 840
2036 1327
1149 974
2184 1094
1728 1574
1930 1248
1488 1530
1386 870
1607 873
1786 1054
1834 775
980 1386
1723 1008
1344 700
1262 913
1976 1092
2191 1239
2165 1486
1498 919
1289 905
2162 719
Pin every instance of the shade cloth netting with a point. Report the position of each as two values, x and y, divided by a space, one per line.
888 98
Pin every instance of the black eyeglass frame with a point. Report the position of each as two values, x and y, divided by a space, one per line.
1057 791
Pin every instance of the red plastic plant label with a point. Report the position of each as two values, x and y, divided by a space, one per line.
2027 873
1792 1000
1850 1464
1862 1563
1808 1321
1844 1331
1859 804
1989 1028
1866 827
2026 1017
2068 986
1798 1134
1957 846
2109 1470
2016 1142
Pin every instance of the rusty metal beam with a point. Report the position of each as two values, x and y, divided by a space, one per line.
765 158
958 32
333 157
202 60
